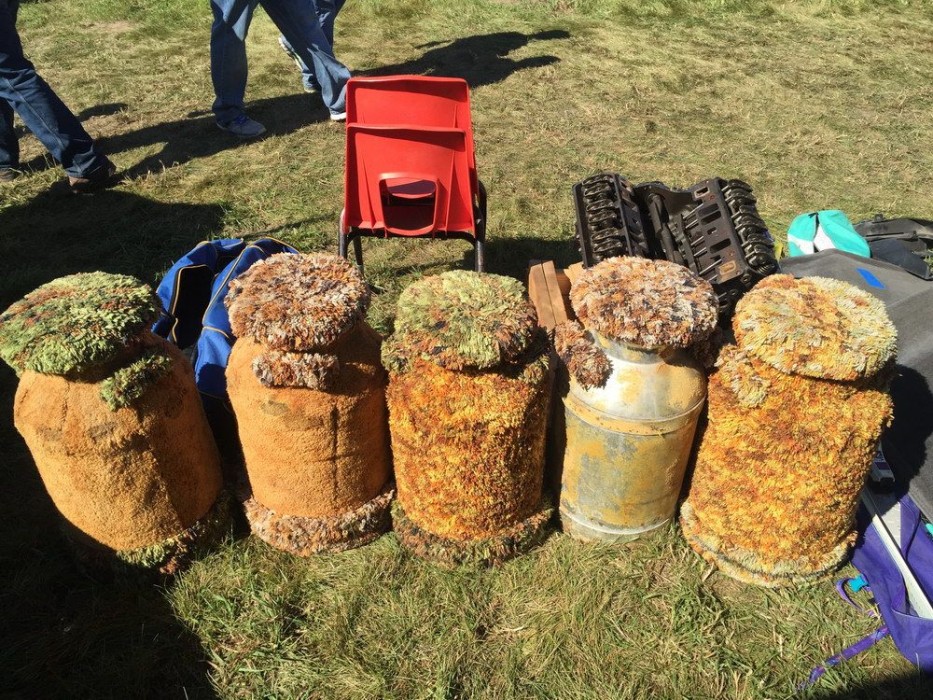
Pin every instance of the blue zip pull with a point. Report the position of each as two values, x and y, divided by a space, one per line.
858 583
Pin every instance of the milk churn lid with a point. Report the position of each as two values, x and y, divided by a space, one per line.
649 303
76 322
460 320
816 327
298 303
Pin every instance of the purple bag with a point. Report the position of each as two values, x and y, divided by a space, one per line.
912 634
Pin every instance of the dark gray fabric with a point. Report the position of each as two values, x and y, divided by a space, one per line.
896 252
908 443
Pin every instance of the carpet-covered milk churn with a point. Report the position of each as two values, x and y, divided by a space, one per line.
113 419
468 403
796 408
635 394
308 390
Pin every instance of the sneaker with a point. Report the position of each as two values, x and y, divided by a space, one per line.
338 116
310 89
99 179
8 174
243 127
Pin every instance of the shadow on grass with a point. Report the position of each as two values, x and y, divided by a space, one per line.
195 135
44 161
64 635
57 233
480 60
102 110
510 256
910 686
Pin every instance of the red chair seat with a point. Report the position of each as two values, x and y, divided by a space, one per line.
410 188
410 166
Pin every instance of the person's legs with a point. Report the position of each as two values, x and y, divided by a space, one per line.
228 56
43 113
326 11
302 30
307 75
9 145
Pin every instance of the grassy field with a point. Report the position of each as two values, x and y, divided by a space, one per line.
816 104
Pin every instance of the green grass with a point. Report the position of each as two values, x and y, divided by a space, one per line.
816 104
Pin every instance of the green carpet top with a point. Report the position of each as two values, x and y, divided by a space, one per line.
461 320
76 322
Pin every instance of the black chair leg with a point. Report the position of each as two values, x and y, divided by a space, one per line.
341 244
480 244
480 252
358 251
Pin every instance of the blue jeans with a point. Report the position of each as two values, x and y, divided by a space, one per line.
327 11
43 113
299 24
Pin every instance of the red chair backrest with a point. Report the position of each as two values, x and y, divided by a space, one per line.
413 100
407 181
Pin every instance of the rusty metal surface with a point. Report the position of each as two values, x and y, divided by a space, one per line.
627 443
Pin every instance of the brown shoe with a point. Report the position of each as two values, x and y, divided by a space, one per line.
99 179
8 174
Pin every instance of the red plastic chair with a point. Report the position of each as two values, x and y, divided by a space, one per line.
410 168
413 100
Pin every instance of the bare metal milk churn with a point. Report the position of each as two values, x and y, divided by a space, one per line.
635 394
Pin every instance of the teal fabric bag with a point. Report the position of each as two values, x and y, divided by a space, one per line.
823 230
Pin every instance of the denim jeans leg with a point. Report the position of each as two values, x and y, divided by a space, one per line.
9 145
303 31
228 56
41 110
326 11
307 75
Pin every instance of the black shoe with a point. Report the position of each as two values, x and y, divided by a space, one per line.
99 179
